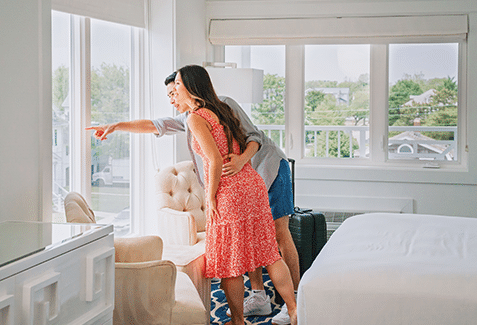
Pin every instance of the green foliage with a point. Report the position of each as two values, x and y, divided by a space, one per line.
441 111
321 84
110 103
359 107
271 111
109 94
313 98
400 92
445 116
60 86
332 145
327 112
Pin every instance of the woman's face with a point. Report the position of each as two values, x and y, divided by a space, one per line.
182 98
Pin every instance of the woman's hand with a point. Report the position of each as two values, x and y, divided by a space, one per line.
212 211
101 131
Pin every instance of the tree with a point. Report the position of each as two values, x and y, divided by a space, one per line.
110 103
320 84
444 109
401 92
60 86
313 98
109 93
327 112
359 107
332 145
271 111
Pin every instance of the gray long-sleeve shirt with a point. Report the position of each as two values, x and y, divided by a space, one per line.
267 159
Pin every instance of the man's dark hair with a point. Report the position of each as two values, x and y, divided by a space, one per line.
170 78
197 81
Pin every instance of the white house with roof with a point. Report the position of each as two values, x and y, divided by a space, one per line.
424 98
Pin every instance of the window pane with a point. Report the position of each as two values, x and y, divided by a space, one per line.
269 115
110 66
60 38
337 101
423 101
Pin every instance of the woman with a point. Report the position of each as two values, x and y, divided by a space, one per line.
240 229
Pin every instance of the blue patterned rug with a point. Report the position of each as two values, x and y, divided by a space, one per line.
218 306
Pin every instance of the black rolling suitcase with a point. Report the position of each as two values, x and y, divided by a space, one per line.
308 229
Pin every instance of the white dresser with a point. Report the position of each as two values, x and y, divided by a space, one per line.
54 273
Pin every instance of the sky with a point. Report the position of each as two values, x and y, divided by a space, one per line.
348 62
110 42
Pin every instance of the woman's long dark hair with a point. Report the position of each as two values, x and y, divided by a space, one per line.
197 82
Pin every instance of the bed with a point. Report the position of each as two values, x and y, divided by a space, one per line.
384 268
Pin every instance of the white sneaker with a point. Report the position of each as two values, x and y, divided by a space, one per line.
282 318
255 305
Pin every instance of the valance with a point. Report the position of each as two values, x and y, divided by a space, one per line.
333 29
128 12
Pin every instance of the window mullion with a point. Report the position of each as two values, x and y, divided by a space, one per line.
294 100
138 146
80 105
378 103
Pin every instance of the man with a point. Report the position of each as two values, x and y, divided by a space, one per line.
267 159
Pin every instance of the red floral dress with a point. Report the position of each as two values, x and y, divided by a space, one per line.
243 236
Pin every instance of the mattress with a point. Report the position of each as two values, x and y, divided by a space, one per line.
385 268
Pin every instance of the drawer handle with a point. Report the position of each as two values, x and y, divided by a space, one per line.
49 307
7 309
98 276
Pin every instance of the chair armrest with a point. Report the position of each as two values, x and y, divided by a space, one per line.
144 292
177 227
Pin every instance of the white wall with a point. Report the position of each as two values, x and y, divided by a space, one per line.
177 36
25 110
430 192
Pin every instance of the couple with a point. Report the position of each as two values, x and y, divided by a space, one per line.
240 228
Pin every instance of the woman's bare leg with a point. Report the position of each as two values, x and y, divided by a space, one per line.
281 278
234 291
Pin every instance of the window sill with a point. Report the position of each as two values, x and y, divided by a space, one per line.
394 172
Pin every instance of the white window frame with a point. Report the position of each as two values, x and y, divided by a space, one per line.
379 32
80 140
378 125
377 167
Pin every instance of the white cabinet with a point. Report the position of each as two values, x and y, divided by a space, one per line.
68 280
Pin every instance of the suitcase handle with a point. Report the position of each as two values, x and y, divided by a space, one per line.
292 163
300 210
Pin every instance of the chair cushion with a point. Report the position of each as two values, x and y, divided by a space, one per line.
177 188
138 249
188 308
77 210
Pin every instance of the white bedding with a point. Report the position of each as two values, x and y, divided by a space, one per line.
384 268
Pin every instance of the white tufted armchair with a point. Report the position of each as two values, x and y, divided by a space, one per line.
181 205
181 222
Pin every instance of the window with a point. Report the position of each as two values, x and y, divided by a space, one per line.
336 112
98 94
374 91
110 89
269 115
61 106
421 114
423 101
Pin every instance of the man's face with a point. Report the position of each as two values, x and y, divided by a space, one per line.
170 94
